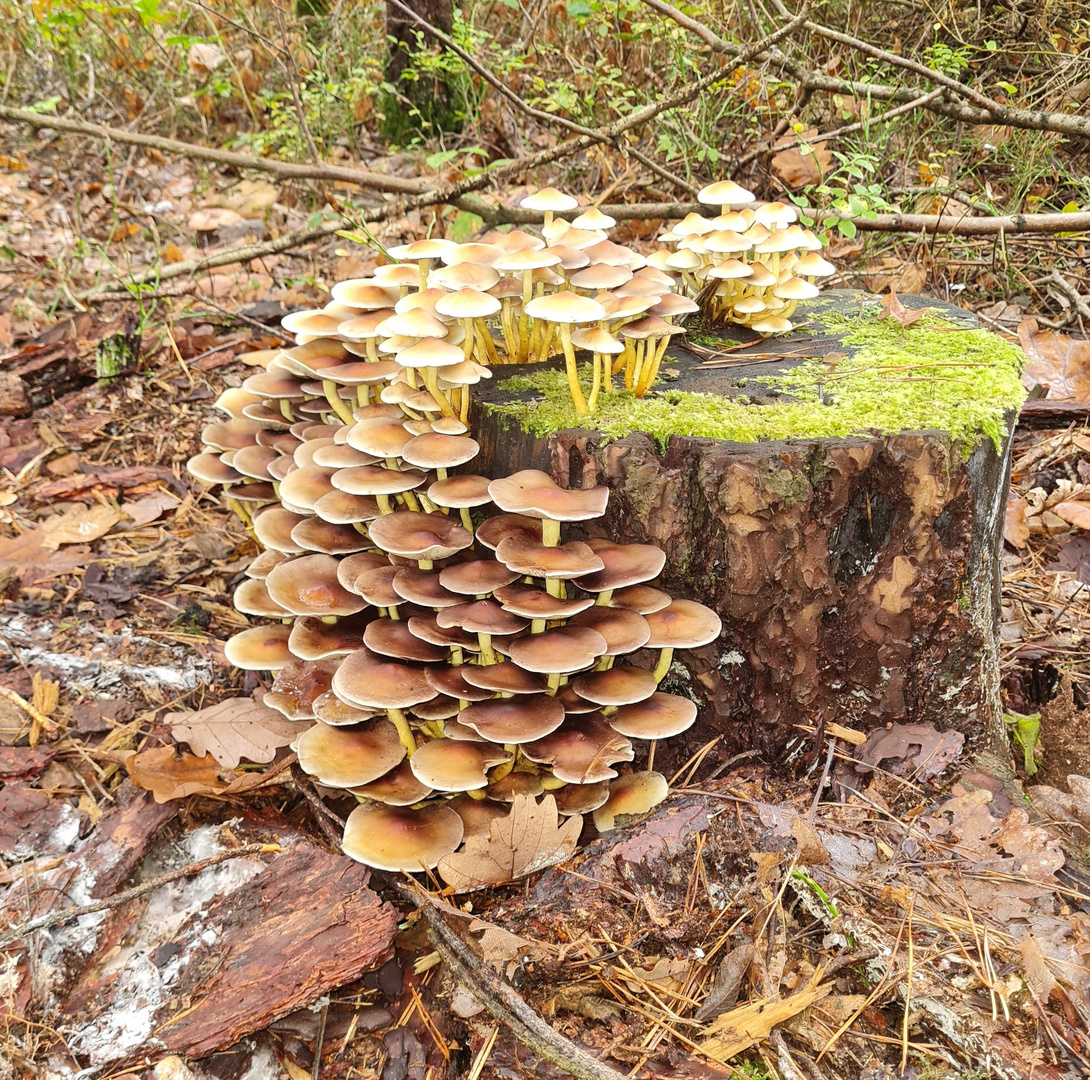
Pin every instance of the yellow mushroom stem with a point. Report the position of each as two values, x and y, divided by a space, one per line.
537 626
456 657
572 370
500 771
372 350
547 334
384 506
596 384
341 407
524 321
239 510
655 350
285 410
605 598
422 266
467 521
363 396
554 682
431 381
663 666
550 532
329 620
487 655
484 335
651 755
463 412
552 783
404 732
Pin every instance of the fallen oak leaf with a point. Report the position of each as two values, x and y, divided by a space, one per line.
78 526
234 730
892 308
169 776
1075 513
528 839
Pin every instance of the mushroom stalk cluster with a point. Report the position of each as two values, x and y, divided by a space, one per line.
746 266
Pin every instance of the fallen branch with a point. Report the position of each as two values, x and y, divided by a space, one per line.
55 918
286 169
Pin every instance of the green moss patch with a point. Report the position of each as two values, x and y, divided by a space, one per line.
934 375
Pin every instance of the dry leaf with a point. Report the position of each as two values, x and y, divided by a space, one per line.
1015 529
1059 361
46 694
911 278
168 776
1077 513
205 56
892 308
146 510
78 526
811 850
499 946
1039 977
796 168
250 198
523 842
235 730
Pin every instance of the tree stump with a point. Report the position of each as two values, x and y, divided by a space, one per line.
846 524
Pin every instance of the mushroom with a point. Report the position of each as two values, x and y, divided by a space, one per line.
309 586
343 757
617 686
657 716
454 765
581 750
567 309
398 787
313 639
296 687
514 720
401 839
533 493
261 648
684 624
635 793
422 537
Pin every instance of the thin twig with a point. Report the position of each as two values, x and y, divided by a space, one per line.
47 725
55 918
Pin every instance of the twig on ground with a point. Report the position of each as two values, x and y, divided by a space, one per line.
55 918
1079 305
331 825
47 725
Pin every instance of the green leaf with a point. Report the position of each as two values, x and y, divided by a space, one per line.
579 9
847 228
49 105
464 226
440 158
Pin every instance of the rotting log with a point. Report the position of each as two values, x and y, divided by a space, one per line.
857 575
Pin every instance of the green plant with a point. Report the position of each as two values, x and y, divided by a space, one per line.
852 189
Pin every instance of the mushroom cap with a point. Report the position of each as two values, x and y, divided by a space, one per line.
580 798
624 631
438 451
596 339
599 276
549 198
467 373
430 352
395 638
379 436
724 193
460 491
460 733
794 288
252 598
253 461
397 276
616 686
477 814
684 624
415 535
660 716
312 639
331 710
263 563
504 679
514 240
640 598
671 305
493 530
371 682
479 254
566 561
311 323
423 587
296 687
525 259
468 303
570 258
309 586
470 276
211 469
813 265
314 534
565 307
730 270
593 218
520 719
515 784
422 249
362 294
349 569
635 793
400 839
536 494
260 648
273 526
342 757
533 603
376 586
304 487
581 750
561 651
376 480
439 708
454 765
623 564
332 455
344 508
772 324
231 434
476 577
481 617
399 787
775 213
451 681
427 628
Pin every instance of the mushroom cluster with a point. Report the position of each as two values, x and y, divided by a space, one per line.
451 648
747 266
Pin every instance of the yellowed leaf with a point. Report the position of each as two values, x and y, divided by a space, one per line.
802 165
46 694
811 850
1059 361
78 526
1015 528
235 730
168 776
528 839
1075 513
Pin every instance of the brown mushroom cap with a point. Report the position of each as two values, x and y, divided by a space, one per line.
459 491
573 703
400 839
396 639
273 526
438 451
533 603
623 564
451 681
253 461
481 617
399 787
343 508
581 798
263 563
684 624
261 648
313 639
635 793
379 436
309 586
536 494
304 487
660 716
640 598
296 687
377 586
350 568
423 587
211 469
582 750
314 534
504 679
331 710
624 631
342 757
477 814
375 480
371 682
453 765
231 434
616 686
515 784
252 598
566 561
495 529
426 628
415 535
439 708
514 720
560 651
477 577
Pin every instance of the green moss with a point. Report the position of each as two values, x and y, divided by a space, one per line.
934 375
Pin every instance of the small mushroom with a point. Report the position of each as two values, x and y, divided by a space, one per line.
453 765
658 716
343 757
582 750
684 624
400 839
261 648
515 720
635 793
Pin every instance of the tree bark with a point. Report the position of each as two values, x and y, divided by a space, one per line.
857 578
429 96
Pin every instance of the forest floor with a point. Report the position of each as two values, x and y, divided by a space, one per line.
931 918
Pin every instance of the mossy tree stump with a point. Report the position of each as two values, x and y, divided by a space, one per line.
845 522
